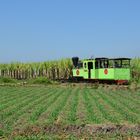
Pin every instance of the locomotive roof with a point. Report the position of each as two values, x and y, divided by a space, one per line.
101 58
120 59
104 58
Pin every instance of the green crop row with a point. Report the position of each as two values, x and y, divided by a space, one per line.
68 106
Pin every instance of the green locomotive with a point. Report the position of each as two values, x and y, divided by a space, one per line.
102 69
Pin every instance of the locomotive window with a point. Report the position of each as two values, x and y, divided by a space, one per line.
80 65
104 64
125 63
118 64
85 65
97 64
111 64
121 63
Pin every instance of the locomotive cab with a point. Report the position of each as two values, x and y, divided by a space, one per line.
83 69
117 69
121 66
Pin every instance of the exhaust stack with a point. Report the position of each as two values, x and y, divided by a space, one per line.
75 61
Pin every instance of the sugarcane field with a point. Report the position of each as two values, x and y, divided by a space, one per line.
69 70
35 103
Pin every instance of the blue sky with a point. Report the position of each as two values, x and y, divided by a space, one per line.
41 30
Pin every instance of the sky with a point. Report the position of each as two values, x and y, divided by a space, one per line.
42 30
